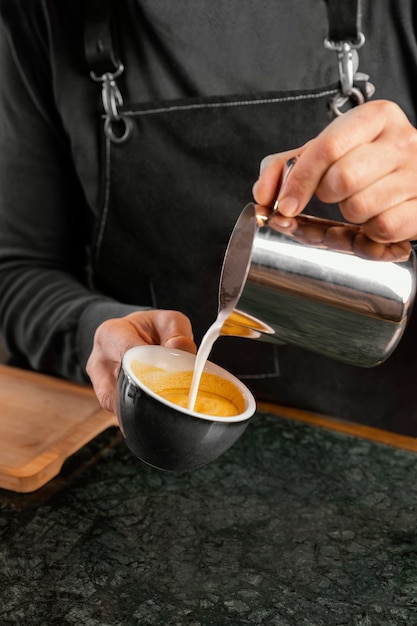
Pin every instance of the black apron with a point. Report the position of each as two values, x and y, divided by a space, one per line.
174 190
171 195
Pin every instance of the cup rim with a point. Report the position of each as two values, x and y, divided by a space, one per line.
210 367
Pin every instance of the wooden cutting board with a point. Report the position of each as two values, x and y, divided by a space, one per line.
43 421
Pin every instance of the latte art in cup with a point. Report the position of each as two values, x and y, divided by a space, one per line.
216 396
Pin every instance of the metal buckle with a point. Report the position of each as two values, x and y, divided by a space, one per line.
116 126
348 61
339 101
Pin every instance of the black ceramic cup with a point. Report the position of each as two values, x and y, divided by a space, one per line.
163 434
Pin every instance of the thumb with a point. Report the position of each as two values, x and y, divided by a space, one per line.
177 333
173 330
180 342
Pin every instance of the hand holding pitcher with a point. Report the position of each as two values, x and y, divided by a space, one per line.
365 161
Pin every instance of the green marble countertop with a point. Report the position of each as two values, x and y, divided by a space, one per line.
295 525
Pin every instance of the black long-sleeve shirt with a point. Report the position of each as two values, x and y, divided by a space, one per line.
50 160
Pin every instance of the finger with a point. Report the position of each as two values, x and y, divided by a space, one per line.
356 127
115 336
391 191
103 374
265 189
180 342
103 379
394 225
356 170
162 326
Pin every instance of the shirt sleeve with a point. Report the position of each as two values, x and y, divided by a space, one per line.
48 312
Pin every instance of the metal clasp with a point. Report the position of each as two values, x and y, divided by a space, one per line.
116 126
348 62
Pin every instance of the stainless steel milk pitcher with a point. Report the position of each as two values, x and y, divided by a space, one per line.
324 286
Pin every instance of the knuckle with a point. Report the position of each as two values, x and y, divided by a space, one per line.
177 317
355 210
411 143
340 181
388 108
331 151
179 314
105 329
383 109
384 226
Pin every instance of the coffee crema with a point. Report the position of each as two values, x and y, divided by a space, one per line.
216 396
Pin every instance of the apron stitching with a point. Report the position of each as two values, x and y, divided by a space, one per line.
214 105
105 200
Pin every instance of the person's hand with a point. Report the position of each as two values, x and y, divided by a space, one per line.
115 336
365 160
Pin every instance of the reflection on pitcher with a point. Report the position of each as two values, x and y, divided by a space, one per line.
332 235
240 324
325 286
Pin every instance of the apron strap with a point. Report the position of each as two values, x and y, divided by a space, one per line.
105 66
99 48
345 37
344 20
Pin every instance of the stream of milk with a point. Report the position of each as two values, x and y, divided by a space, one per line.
203 354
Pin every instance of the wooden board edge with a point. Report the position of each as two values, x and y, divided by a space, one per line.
46 381
362 431
37 472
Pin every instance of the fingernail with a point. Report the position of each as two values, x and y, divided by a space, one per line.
285 223
266 162
287 206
